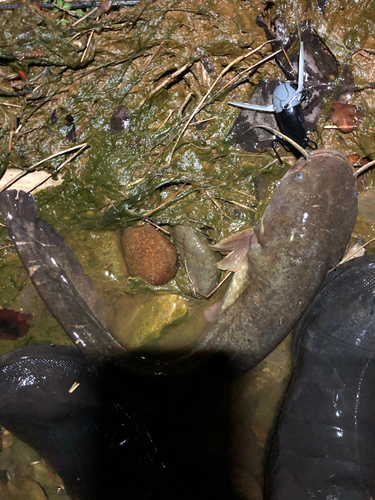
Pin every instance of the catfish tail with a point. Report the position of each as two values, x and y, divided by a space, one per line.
58 277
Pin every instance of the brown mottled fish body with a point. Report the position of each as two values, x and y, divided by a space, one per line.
302 234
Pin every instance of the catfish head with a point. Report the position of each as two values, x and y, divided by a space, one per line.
301 236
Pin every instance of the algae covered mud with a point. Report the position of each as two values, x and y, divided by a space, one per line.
138 88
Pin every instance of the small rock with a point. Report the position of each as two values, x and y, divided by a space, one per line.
149 255
120 119
199 258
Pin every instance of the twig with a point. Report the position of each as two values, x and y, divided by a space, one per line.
183 105
168 80
203 121
216 287
12 105
216 157
60 167
204 98
106 65
157 226
73 5
289 61
29 130
85 17
244 193
134 182
171 111
74 387
247 70
214 201
87 45
364 168
166 202
286 138
59 153
346 259
238 204
152 57
34 167
10 142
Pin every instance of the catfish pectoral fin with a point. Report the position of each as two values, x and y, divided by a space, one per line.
238 245
57 276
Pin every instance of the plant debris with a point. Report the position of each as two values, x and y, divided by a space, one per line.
346 117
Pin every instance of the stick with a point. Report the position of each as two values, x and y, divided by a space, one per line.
364 168
204 98
34 167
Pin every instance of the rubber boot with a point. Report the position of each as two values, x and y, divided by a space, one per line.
324 447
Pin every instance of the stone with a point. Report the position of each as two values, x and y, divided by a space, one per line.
149 255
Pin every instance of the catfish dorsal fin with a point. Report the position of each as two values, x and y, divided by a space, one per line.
238 245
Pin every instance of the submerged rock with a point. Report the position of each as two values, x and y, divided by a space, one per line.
199 259
149 255
158 313
366 205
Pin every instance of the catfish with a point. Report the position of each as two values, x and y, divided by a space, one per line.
301 236
285 258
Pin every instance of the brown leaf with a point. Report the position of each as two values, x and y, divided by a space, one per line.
346 117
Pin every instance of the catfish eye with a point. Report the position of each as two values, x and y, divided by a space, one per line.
298 176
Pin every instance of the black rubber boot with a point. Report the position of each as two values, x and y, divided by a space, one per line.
80 421
324 447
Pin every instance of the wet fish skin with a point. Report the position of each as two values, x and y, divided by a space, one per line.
58 277
302 234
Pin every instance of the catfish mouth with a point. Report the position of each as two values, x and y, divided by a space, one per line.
323 154
328 152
